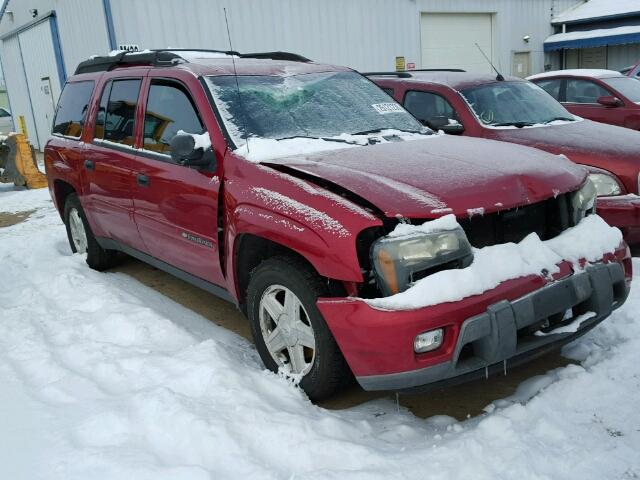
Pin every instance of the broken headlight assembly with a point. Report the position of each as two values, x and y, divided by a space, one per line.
397 260
583 201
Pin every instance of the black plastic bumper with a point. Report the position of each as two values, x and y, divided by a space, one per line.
497 339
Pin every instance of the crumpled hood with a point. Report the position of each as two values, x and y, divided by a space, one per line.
597 141
441 174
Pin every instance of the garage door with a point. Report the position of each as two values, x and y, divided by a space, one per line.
448 40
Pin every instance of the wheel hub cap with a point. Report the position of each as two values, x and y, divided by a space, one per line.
78 233
286 330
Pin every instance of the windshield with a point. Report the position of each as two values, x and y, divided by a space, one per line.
317 105
514 103
628 87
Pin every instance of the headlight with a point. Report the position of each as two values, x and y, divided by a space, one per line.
583 201
397 259
605 184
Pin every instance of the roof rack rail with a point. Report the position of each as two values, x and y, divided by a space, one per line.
170 56
407 73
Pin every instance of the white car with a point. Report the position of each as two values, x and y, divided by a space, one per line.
6 125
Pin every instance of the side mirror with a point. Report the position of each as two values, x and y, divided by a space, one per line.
609 101
183 152
451 127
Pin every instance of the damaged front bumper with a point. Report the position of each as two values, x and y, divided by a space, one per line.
483 334
623 212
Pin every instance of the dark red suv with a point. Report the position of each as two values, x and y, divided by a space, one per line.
513 110
354 239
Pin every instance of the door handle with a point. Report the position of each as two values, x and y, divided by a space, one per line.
143 180
89 165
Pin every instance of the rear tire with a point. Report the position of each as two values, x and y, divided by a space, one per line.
81 237
322 367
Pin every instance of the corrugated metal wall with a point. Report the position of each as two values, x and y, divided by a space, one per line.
621 56
365 34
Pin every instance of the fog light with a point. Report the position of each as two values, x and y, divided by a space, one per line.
427 341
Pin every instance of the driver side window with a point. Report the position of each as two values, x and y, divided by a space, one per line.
169 110
584 91
427 107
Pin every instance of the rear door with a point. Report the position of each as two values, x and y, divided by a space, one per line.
176 207
108 162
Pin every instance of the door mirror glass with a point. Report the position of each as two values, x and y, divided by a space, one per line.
609 101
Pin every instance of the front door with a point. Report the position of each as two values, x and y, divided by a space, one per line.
176 207
521 64
108 164
581 98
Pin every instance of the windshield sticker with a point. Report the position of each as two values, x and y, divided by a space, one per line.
384 108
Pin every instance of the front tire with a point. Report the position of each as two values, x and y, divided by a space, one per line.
289 331
81 238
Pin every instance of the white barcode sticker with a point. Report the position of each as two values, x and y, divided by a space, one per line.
383 108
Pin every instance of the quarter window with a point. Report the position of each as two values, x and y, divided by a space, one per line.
584 91
116 118
72 109
169 110
427 107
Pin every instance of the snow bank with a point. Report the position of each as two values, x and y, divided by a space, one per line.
590 239
104 378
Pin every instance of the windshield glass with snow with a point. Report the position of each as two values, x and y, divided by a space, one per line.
628 87
517 104
317 105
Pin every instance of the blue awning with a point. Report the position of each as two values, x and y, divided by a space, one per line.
593 38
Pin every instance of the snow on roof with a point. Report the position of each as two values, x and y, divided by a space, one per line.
597 9
591 34
578 72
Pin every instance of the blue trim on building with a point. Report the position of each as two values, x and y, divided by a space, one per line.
593 42
57 50
111 32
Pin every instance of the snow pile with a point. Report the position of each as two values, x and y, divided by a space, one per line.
588 240
447 222
104 378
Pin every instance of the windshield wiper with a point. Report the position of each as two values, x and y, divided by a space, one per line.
561 118
378 130
326 139
512 124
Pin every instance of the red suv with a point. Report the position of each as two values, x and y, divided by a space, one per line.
336 222
516 111
604 96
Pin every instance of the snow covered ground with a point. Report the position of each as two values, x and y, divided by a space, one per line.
103 377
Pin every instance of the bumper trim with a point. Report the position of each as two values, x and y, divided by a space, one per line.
493 334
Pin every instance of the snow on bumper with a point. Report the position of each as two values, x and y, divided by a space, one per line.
489 307
623 212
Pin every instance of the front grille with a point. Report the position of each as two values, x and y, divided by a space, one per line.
547 218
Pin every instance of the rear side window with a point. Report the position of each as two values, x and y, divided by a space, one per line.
72 109
116 117
427 106
584 91
552 87
169 109
4 113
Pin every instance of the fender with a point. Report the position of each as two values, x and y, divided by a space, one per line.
305 218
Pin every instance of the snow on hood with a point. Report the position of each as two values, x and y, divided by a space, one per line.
261 149
590 239
441 174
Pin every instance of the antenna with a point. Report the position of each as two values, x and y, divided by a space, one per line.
235 74
499 76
